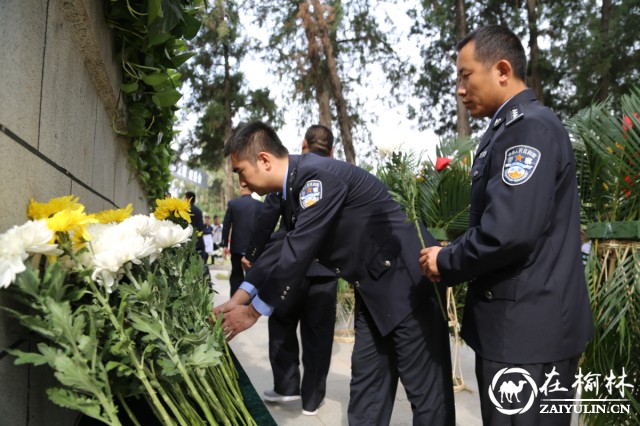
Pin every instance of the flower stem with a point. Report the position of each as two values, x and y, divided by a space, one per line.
435 285
173 354
139 369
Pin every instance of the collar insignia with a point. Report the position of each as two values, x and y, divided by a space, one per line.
514 115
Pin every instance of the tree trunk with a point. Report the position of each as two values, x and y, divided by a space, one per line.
463 126
605 49
535 78
336 85
316 72
228 123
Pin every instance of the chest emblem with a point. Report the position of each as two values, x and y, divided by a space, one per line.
519 164
310 193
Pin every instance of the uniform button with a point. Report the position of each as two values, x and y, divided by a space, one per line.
281 297
488 294
475 173
387 264
284 292
337 271
288 288
316 260
356 284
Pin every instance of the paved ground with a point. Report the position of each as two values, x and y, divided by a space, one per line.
251 350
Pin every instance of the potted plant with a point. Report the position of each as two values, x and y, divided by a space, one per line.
607 149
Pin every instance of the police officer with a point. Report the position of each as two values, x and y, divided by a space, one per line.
239 220
344 216
313 306
527 307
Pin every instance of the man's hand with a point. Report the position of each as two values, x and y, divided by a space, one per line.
238 320
245 263
239 298
429 264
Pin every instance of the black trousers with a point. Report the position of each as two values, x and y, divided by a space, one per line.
416 351
314 308
237 272
514 401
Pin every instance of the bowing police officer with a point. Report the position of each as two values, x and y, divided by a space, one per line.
312 305
345 217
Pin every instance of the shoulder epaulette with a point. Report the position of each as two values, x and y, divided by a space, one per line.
514 115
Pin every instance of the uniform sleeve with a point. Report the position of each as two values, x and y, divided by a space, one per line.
226 226
301 244
267 219
516 208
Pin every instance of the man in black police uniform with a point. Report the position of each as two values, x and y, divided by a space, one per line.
527 304
344 216
239 220
313 306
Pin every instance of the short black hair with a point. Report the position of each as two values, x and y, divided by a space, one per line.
248 141
319 139
191 196
495 43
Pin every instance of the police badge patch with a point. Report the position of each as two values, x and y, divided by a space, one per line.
310 193
519 164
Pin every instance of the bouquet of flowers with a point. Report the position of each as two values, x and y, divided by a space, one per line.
120 308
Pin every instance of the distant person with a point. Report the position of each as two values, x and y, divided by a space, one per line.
313 307
197 221
216 233
207 237
239 220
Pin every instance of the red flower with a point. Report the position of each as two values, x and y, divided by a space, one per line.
442 163
628 122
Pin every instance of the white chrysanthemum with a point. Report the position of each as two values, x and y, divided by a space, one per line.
32 237
169 234
141 224
113 246
36 237
10 266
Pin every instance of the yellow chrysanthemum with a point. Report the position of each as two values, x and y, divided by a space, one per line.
173 206
72 222
115 215
38 211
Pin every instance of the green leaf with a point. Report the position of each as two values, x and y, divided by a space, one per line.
129 87
27 357
168 367
68 399
192 26
156 39
146 325
166 98
203 357
154 10
155 79
74 374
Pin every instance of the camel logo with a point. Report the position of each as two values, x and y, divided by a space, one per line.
510 390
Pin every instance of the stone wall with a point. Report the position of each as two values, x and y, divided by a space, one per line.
58 93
